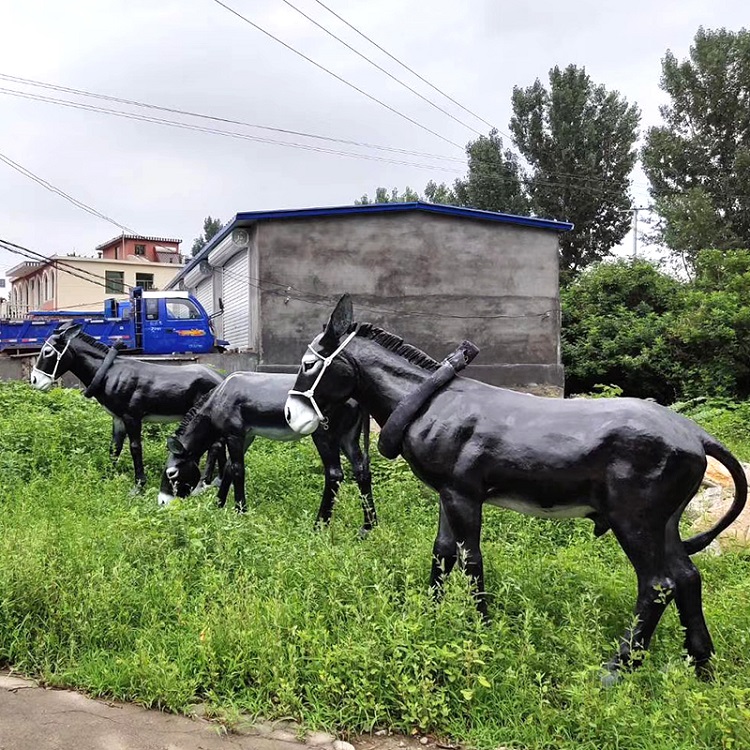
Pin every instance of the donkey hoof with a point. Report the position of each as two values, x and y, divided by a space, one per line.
137 490
364 532
705 671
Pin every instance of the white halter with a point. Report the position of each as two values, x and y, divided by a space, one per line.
60 354
309 394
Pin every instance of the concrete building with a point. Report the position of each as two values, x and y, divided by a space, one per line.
82 283
433 274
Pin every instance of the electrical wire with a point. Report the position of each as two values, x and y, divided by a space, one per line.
44 258
211 131
406 67
380 68
214 118
336 76
245 136
49 186
132 102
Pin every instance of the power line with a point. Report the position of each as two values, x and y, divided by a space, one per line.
336 76
212 131
381 69
226 120
406 67
44 258
172 123
60 265
244 136
52 188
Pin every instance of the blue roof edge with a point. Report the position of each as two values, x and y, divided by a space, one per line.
372 208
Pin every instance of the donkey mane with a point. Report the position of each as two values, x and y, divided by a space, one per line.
191 414
93 342
396 344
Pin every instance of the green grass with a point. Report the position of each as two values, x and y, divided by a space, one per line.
261 615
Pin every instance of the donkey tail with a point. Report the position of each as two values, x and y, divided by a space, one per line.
716 450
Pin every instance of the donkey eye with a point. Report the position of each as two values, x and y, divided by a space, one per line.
307 366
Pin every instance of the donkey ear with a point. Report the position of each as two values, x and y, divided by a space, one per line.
174 446
71 331
340 320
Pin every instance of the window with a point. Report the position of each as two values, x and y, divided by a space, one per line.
2 283
115 282
152 309
140 249
182 309
145 280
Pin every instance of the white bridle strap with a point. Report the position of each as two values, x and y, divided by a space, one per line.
60 355
309 394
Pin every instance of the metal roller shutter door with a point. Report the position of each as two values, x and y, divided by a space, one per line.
204 293
236 296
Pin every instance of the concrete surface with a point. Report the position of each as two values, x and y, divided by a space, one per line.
34 718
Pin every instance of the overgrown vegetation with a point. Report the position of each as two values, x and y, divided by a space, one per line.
631 325
259 614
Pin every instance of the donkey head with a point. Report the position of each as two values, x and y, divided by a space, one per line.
55 358
326 376
181 475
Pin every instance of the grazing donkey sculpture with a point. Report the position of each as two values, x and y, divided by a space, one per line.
132 391
629 465
249 405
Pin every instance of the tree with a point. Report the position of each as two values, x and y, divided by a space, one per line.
441 193
383 196
211 227
698 162
494 181
578 139
615 330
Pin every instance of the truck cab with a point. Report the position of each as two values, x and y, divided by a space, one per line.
172 321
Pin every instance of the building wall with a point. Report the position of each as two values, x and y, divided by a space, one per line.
437 272
50 289
125 249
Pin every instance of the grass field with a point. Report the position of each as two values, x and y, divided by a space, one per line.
260 615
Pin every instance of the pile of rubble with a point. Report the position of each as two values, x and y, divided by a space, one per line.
711 503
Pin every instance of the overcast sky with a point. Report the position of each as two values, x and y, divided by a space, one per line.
195 55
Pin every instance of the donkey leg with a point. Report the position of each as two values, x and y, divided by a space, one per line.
689 600
213 457
328 449
118 438
444 555
360 462
133 427
226 482
644 543
236 469
461 519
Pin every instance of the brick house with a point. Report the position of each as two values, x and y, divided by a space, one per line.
83 283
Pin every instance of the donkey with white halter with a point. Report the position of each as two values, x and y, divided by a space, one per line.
132 391
631 466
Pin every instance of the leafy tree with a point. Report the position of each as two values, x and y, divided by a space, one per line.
441 193
383 196
615 330
495 179
579 141
698 162
211 227
630 325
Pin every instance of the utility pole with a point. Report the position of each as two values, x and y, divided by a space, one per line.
634 210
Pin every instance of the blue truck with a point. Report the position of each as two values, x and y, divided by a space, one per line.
170 322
